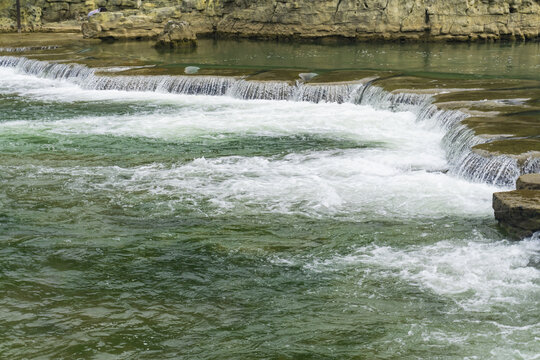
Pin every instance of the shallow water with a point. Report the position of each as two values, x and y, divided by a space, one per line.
512 60
155 225
474 60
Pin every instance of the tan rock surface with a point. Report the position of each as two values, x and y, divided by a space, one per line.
528 182
115 25
454 20
518 211
177 34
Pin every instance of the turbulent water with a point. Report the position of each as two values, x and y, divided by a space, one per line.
142 221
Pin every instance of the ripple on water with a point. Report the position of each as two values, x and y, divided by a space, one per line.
312 230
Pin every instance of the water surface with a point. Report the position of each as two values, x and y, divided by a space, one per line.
155 225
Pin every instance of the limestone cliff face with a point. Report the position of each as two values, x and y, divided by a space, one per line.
36 12
386 19
358 19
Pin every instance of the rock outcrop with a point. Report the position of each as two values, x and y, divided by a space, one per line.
528 182
455 20
518 211
177 34
117 26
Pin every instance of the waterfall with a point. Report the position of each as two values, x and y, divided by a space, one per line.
531 165
263 90
281 90
327 93
191 85
501 170
194 85
458 141
28 48
74 72
382 99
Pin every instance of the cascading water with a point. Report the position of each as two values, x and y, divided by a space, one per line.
141 217
531 165
500 170
268 90
27 48
378 97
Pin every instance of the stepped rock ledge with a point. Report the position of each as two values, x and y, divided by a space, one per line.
417 20
518 211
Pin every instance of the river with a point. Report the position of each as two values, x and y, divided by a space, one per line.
143 223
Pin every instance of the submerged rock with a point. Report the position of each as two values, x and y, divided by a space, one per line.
307 76
518 211
177 34
191 69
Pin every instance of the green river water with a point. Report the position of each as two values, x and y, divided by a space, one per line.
150 225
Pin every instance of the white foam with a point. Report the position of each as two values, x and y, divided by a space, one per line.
405 142
13 82
347 184
476 274
206 115
217 116
391 179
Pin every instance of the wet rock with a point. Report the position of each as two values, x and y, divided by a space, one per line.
518 211
528 182
177 34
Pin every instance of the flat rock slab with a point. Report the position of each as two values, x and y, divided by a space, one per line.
528 182
518 211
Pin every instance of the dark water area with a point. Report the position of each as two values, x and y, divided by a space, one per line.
497 60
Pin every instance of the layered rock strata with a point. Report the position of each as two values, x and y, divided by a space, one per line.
518 211
455 20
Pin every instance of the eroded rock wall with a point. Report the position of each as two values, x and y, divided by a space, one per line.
387 19
358 19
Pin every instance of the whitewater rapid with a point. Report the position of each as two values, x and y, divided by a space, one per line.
396 167
350 210
457 142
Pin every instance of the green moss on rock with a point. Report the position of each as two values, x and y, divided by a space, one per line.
510 146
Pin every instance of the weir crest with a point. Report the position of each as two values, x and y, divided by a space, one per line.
458 140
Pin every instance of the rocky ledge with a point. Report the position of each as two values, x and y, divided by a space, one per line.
420 20
518 211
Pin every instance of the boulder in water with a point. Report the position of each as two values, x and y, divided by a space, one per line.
177 34
518 211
